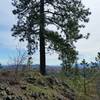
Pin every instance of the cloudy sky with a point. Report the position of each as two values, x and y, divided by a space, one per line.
87 48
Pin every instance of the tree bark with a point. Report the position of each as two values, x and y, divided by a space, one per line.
42 39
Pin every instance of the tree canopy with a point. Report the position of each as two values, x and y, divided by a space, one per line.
68 16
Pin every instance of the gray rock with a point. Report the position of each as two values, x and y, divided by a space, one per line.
2 87
7 98
42 83
53 81
3 93
12 98
19 98
23 87
30 80
35 95
9 91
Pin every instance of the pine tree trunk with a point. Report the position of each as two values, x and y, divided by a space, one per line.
42 39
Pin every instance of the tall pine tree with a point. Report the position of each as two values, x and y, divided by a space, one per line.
34 19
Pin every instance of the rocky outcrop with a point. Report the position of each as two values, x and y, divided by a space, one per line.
37 87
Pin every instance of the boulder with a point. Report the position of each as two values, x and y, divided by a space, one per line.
35 95
3 93
9 91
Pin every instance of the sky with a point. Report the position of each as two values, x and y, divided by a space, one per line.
87 48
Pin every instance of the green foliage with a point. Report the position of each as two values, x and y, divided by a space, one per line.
29 62
68 16
85 65
98 57
77 70
77 84
98 60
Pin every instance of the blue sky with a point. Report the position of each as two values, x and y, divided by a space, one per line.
87 48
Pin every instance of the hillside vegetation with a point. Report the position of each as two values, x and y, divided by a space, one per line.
31 85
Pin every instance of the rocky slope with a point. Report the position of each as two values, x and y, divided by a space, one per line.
34 86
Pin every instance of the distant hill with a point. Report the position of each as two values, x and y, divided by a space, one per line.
49 68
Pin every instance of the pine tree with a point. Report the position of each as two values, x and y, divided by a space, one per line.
34 18
85 65
98 60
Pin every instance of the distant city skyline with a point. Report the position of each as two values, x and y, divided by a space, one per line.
87 48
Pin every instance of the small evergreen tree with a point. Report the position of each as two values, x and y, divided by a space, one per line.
98 60
77 70
94 67
84 65
29 63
